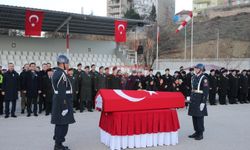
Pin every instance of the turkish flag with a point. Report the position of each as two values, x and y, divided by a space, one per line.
120 31
33 22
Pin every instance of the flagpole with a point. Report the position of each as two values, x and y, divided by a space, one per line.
67 40
192 41
157 48
185 52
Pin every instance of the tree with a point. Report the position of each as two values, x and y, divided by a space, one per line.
152 16
132 14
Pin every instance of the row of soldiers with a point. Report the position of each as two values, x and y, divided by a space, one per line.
36 89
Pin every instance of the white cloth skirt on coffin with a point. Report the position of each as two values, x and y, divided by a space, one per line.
139 141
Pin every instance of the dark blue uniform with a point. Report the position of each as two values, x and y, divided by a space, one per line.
10 87
199 94
62 100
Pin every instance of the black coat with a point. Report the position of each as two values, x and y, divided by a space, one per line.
62 98
32 84
115 82
23 75
223 84
168 82
243 83
101 81
233 86
11 85
85 82
197 98
150 83
133 83
47 89
212 83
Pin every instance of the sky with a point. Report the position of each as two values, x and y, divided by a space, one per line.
98 7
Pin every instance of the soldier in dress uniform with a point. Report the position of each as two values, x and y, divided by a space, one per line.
243 84
62 109
93 73
86 89
233 87
150 81
133 81
10 89
47 91
115 80
212 87
74 81
101 80
198 98
188 81
168 80
223 87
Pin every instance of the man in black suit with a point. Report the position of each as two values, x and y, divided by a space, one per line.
10 89
47 91
32 89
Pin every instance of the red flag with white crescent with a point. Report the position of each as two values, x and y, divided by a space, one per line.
33 22
120 31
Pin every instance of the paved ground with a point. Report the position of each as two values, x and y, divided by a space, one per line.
227 128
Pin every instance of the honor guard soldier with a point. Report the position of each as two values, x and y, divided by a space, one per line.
62 109
223 87
198 98
233 87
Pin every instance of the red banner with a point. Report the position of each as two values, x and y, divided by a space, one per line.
120 31
33 22
128 100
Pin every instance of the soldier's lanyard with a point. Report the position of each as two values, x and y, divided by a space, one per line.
199 85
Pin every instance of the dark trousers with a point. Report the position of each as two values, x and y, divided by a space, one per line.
42 103
31 101
86 103
198 123
222 98
7 107
60 133
212 95
48 103
243 97
1 103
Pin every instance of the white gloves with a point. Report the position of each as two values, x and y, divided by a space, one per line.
202 105
64 112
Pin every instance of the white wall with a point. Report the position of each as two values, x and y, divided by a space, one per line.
56 45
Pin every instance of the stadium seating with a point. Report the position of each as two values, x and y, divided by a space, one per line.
19 58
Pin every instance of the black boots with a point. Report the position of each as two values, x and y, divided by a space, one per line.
196 136
60 147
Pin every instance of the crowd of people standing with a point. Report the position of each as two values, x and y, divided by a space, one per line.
36 90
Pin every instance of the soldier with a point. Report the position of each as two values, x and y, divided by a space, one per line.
47 91
133 81
10 89
188 80
74 82
101 81
115 80
223 87
168 80
93 73
78 73
62 109
22 86
233 87
198 98
32 89
86 89
243 84
1 96
42 76
212 87
150 81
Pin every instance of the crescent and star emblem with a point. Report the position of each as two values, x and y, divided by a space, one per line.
132 99
36 20
121 28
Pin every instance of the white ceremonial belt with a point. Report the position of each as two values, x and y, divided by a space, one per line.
197 91
67 92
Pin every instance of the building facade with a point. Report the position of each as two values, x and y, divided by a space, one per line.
117 8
